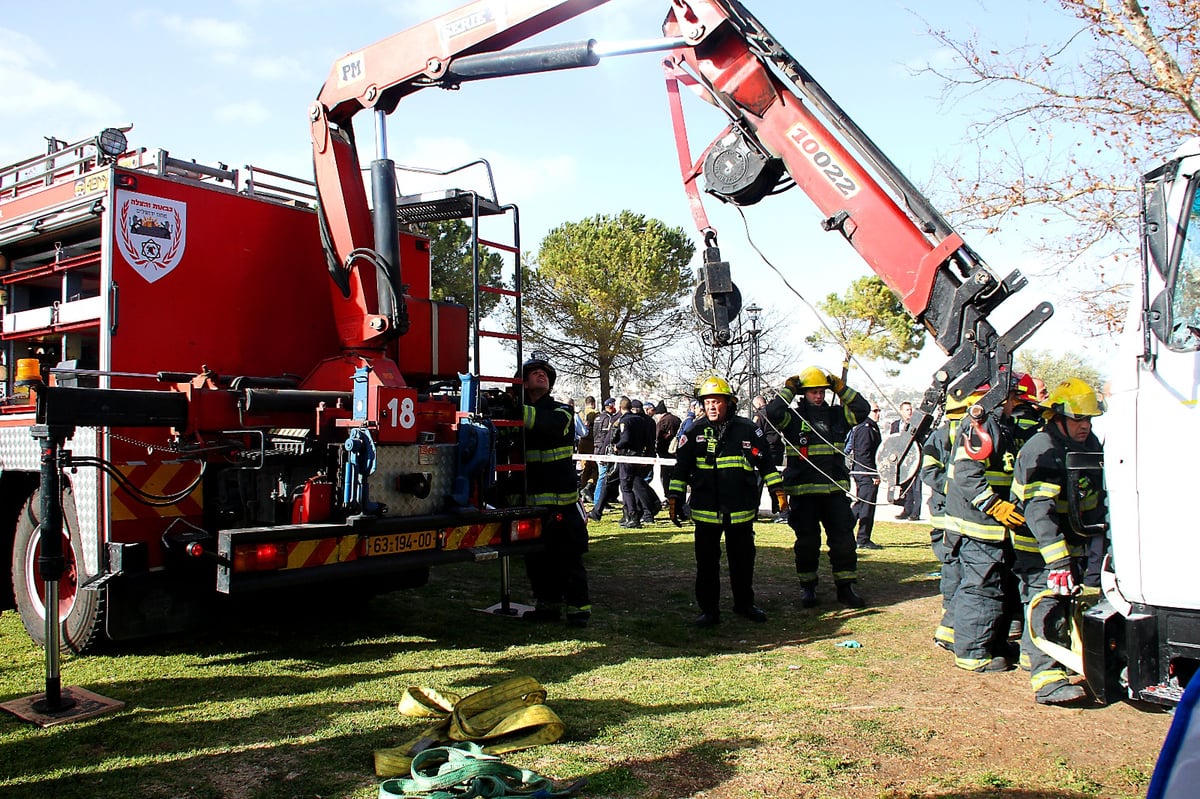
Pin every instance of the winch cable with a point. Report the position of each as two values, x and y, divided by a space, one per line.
828 329
816 313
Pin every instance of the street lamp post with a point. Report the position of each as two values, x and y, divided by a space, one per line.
753 312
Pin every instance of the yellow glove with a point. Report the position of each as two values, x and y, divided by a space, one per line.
673 510
792 384
836 383
1006 513
781 500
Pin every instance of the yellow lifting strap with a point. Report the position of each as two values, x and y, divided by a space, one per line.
1067 652
508 716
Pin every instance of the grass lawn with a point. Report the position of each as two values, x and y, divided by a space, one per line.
289 699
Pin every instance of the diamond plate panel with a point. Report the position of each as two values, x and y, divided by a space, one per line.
19 452
394 460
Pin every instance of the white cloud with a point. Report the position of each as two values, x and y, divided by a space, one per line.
19 50
210 33
250 112
38 104
276 68
519 177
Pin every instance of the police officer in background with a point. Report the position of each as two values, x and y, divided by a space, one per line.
602 433
635 437
718 458
816 479
1052 546
557 574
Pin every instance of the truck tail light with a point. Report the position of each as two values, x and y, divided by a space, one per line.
259 557
525 529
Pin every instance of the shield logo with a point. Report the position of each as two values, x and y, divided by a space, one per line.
151 233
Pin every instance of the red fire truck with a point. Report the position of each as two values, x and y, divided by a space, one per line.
225 426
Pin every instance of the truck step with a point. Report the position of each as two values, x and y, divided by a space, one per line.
1167 694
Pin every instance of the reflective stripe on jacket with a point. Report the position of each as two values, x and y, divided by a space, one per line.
719 462
1040 490
814 437
973 485
549 445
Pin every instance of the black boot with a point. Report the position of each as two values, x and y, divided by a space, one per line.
849 597
808 595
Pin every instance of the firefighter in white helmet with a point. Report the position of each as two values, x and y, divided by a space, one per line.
718 457
1051 547
816 479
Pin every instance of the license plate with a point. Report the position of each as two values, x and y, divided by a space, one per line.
399 543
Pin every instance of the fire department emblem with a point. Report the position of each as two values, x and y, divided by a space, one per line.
151 233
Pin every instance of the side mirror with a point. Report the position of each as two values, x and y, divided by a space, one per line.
1159 317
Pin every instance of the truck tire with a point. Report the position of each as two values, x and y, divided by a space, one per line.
80 612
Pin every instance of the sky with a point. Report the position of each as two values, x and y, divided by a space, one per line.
230 81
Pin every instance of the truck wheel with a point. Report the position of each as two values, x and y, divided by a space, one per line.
80 612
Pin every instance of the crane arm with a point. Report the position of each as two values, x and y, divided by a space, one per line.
782 120
377 78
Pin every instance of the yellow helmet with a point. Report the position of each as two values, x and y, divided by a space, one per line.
714 386
1075 399
958 407
813 377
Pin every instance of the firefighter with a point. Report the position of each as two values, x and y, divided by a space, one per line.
718 458
1051 548
978 480
815 477
556 575
936 454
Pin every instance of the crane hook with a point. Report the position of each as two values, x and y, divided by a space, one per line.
986 445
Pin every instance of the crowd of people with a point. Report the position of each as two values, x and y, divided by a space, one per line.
1013 527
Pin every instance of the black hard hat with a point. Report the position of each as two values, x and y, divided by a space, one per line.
538 360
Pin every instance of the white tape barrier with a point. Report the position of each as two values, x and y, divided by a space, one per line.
625 459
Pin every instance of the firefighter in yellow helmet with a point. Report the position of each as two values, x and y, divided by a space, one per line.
718 457
816 479
937 455
1052 546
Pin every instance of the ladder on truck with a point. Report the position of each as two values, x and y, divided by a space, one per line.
470 205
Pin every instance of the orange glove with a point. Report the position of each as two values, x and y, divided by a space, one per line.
792 384
673 510
781 500
1006 513
836 383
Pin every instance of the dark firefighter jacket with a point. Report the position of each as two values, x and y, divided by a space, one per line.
973 485
549 445
816 437
1040 490
719 462
935 456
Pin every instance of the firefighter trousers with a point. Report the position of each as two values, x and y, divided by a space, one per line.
807 514
557 574
979 602
739 548
1052 615
945 549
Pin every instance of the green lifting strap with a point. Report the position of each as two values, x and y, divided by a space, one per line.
462 770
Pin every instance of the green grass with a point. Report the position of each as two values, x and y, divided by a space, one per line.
289 699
